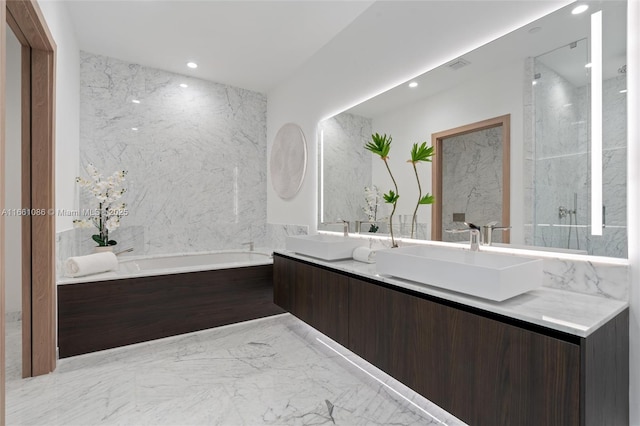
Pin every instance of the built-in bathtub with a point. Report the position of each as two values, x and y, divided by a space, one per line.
138 266
154 297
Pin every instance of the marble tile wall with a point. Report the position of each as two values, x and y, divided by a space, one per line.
472 180
197 174
277 234
347 166
590 277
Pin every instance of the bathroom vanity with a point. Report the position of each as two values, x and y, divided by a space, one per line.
546 357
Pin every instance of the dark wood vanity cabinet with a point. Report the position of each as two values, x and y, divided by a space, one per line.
317 296
483 368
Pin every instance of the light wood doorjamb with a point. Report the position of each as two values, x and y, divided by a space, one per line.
38 185
3 54
437 140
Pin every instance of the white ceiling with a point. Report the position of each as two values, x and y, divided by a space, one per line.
250 44
554 30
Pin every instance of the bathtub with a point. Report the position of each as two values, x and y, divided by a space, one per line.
196 262
152 297
137 266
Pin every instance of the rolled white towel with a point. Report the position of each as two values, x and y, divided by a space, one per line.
79 266
364 254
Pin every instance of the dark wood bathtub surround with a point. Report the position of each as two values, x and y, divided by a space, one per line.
107 314
484 368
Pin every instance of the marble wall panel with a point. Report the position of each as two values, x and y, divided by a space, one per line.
195 155
596 278
277 234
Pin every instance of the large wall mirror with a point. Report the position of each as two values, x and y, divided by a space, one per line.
538 75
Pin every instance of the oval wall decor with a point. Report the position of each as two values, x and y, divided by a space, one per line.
288 161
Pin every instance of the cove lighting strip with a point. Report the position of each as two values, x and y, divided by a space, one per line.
596 123
382 383
321 175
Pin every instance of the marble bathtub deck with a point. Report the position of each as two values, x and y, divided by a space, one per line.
274 371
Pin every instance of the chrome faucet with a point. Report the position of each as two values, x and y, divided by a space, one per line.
130 249
474 235
487 232
250 244
345 223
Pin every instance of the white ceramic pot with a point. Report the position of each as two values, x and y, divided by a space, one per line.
102 249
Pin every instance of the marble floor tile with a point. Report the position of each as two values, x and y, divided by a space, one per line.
273 371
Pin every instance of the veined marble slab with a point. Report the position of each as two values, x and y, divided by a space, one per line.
561 310
273 371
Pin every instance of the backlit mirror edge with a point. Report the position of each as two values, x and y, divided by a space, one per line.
631 31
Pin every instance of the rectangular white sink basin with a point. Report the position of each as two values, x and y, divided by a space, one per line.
322 246
492 276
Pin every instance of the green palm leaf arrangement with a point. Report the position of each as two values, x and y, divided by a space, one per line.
420 153
381 145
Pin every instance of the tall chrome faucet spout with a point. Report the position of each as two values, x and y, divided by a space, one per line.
474 236
124 251
346 228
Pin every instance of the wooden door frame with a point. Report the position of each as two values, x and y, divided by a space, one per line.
26 20
436 175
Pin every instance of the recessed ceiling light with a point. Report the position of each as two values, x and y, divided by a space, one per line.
579 9
413 84
533 83
192 65
134 128
135 101
184 86
623 91
588 65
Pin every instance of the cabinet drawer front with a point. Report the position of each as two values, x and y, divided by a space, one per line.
481 370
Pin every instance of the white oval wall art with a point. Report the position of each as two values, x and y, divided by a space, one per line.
288 161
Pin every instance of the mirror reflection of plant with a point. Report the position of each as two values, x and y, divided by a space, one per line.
381 145
422 153
372 197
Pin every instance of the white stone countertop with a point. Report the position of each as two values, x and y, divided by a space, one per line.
570 312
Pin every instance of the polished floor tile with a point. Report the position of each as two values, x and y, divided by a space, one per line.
274 371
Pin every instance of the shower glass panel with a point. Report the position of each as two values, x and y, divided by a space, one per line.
562 154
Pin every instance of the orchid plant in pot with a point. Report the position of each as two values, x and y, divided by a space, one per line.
107 192
372 198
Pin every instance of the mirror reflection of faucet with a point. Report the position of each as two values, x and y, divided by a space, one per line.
479 235
344 223
487 232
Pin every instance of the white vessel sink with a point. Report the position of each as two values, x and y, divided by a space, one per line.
322 246
493 276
